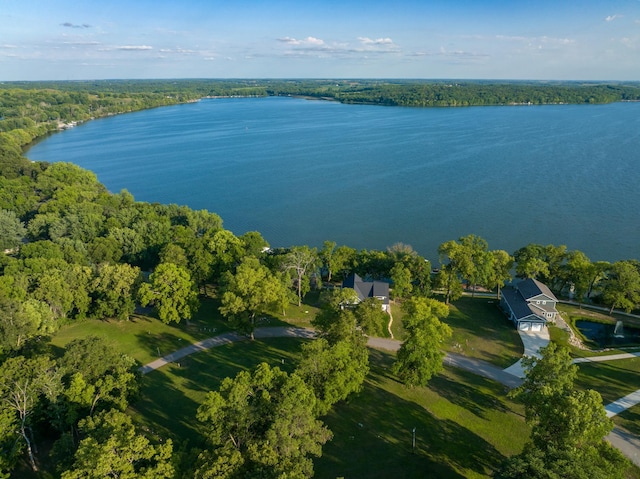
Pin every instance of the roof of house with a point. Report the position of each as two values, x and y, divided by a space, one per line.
530 288
526 301
367 289
520 308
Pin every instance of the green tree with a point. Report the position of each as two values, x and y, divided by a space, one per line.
261 424
113 448
333 371
25 387
171 292
401 278
12 231
568 426
302 260
371 317
500 271
421 355
530 262
622 287
326 256
114 289
578 274
227 251
96 373
253 289
22 321
474 261
448 278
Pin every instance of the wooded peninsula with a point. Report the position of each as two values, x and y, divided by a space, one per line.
95 284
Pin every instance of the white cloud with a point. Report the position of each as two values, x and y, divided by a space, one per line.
377 41
611 18
178 51
134 47
306 41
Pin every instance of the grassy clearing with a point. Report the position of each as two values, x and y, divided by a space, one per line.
612 379
171 395
481 331
143 337
464 424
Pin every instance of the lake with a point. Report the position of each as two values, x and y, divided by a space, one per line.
304 171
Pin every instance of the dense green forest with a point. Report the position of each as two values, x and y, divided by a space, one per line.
72 251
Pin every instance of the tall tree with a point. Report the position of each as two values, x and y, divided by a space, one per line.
171 292
12 231
500 272
302 260
326 255
114 290
107 376
370 317
401 277
474 261
530 262
568 426
113 448
448 279
622 286
24 385
22 321
251 290
261 424
420 356
333 371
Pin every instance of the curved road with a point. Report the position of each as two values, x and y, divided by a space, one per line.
512 376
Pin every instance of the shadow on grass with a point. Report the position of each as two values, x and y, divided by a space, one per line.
171 395
467 397
373 436
630 420
612 379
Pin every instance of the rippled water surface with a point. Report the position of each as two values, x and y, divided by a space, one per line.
301 171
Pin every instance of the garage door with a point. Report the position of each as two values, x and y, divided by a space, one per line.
524 326
536 327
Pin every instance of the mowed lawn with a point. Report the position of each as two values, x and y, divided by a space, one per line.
465 427
480 330
464 424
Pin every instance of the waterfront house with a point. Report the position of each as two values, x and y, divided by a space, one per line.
368 289
529 305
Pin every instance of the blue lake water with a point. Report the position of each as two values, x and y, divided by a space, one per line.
302 172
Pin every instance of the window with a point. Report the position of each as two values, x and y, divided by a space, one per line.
544 302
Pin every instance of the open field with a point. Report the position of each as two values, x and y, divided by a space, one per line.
464 424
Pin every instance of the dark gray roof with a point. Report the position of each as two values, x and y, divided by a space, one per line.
530 288
367 289
518 305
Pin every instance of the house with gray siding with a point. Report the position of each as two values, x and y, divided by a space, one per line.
529 305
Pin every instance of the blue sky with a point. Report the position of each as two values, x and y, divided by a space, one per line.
495 39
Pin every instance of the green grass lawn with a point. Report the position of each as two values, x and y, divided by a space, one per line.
171 395
143 337
481 331
464 425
